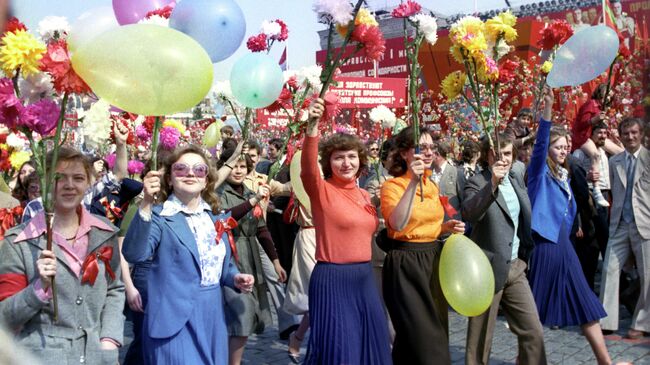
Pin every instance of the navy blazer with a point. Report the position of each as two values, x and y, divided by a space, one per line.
175 276
550 202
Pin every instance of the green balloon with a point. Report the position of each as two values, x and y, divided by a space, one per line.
145 69
466 276
212 134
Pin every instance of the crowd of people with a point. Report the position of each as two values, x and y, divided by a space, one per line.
197 251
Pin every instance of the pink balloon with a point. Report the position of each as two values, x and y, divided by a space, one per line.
132 11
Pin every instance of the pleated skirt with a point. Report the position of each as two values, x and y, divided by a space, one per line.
203 340
304 259
347 320
561 292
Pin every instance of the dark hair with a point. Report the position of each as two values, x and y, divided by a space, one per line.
470 150
599 93
629 122
341 142
598 126
525 112
504 141
20 190
226 154
209 193
276 142
404 141
442 147
227 129
97 158
253 145
387 147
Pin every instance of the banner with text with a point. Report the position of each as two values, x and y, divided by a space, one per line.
277 119
369 92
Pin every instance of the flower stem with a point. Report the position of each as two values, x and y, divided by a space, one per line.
154 144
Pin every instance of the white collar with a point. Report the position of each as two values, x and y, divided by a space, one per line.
173 205
635 154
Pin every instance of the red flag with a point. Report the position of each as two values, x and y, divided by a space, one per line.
283 59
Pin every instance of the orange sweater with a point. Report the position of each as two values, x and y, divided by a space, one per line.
344 228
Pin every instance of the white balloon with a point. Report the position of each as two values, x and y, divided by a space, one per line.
91 24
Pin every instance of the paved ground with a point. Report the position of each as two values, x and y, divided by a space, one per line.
563 346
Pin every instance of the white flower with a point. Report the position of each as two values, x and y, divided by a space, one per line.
337 11
310 75
500 49
223 91
427 25
156 20
271 29
53 27
36 87
97 124
381 114
15 141
288 74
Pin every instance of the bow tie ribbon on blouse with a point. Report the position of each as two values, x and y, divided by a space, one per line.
90 266
8 219
112 212
226 226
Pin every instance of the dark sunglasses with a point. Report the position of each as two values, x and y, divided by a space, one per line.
180 169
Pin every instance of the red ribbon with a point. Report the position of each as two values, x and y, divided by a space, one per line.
11 284
257 211
449 209
112 212
8 219
90 266
226 226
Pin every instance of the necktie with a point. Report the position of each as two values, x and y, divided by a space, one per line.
630 165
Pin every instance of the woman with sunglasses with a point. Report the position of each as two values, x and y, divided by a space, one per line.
413 212
192 260
250 314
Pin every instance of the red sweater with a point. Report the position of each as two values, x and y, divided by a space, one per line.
344 228
581 128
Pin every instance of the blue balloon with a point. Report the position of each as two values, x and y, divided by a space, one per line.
217 25
256 80
586 55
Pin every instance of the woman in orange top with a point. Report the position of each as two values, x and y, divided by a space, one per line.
347 320
411 288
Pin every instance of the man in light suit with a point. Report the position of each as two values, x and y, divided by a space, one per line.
496 204
629 228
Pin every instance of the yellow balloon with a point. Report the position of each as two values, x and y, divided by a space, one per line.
296 182
212 134
145 69
466 276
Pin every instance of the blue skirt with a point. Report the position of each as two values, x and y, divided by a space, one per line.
203 340
561 292
348 324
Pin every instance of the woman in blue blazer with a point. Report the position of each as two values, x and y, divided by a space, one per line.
192 259
559 286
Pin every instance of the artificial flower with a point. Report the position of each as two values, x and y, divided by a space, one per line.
97 125
271 29
110 160
558 32
501 25
22 50
142 133
333 11
487 70
18 158
332 107
468 38
169 137
53 28
5 163
453 84
507 71
164 12
149 123
311 75
374 44
257 43
155 20
10 105
546 67
57 63
15 141
364 17
291 83
13 25
406 9
135 167
40 117
383 115
500 48
284 101
284 31
175 124
428 26
36 87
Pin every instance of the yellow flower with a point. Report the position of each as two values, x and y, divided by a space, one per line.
502 24
363 17
175 124
547 66
20 49
486 70
453 84
467 34
18 158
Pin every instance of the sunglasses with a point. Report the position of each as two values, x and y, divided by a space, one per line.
180 169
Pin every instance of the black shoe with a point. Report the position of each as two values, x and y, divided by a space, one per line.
284 335
607 332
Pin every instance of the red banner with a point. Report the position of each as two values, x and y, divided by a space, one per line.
392 64
369 92
269 119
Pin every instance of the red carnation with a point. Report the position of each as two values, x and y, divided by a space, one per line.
56 62
3 138
5 164
407 9
257 43
284 31
372 39
164 12
558 32
283 101
13 25
507 71
292 83
149 123
623 51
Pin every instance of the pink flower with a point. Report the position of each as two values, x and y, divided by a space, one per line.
135 167
142 133
10 105
110 160
407 9
169 137
374 44
257 43
284 31
41 117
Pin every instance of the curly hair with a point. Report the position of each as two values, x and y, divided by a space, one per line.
342 142
209 193
404 141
